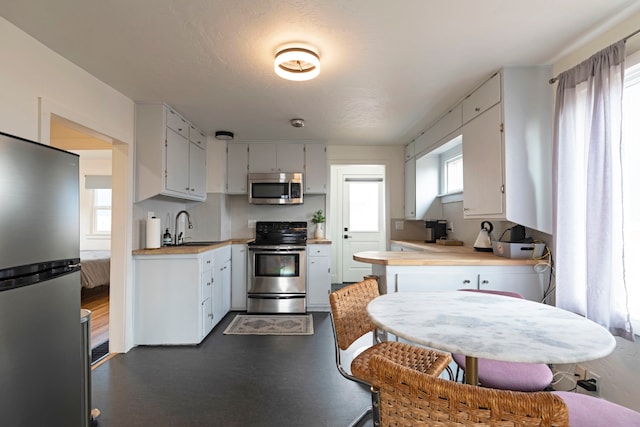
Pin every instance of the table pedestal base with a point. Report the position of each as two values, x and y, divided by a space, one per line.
471 370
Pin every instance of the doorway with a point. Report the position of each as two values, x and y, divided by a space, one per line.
95 224
359 210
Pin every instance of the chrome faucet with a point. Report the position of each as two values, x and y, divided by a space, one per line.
177 236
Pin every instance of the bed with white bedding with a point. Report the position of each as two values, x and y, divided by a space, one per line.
95 270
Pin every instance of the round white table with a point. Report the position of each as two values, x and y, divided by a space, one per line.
491 326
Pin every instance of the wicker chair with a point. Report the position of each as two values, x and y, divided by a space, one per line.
410 398
513 376
350 321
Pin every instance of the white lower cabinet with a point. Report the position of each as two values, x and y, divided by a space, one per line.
238 277
522 279
221 282
318 277
178 299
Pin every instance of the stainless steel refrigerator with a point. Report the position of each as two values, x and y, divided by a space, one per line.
40 335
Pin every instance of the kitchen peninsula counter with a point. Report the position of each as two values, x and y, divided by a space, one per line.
434 254
434 267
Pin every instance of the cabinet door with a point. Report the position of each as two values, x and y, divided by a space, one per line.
289 158
226 287
262 158
237 167
482 98
177 123
410 188
197 170
529 285
409 150
315 168
238 277
439 281
176 175
483 165
318 277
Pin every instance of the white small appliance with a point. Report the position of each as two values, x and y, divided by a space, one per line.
483 241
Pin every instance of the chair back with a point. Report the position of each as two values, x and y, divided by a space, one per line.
349 311
408 397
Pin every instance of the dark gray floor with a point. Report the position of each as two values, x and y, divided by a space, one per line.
230 380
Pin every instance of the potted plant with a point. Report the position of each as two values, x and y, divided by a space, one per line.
318 219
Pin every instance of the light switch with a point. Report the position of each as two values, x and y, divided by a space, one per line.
399 225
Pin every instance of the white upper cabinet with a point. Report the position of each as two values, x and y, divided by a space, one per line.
276 157
483 98
409 150
315 169
507 149
482 153
310 159
435 134
237 167
410 188
170 155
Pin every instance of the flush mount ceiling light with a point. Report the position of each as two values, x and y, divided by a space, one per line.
297 123
224 135
297 63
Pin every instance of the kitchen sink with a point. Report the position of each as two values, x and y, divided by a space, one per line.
207 243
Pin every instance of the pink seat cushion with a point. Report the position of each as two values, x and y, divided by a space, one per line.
510 375
588 411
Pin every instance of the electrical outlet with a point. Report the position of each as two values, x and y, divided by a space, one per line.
450 226
580 372
150 214
252 223
399 225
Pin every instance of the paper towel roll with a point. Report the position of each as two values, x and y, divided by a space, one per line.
154 230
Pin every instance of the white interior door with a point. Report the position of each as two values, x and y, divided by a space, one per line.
362 221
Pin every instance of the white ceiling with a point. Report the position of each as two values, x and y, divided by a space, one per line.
389 68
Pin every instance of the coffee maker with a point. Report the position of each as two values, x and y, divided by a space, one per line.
436 229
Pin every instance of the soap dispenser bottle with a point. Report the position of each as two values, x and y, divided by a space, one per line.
166 237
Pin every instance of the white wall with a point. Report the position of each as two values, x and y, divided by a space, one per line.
36 82
619 372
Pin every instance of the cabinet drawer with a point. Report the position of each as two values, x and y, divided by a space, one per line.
318 250
177 123
483 98
197 136
207 261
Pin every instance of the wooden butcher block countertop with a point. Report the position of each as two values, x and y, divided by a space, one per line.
186 250
433 254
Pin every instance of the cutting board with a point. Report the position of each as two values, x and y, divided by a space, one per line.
449 242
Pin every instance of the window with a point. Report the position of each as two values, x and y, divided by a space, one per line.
450 158
631 177
101 207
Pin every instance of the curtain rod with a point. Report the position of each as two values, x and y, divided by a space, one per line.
555 79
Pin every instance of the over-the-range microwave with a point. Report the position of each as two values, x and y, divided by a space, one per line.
275 188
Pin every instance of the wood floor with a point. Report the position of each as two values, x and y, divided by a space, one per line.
97 300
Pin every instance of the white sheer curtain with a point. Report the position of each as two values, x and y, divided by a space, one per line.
588 215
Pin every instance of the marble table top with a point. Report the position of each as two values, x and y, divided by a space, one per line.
491 326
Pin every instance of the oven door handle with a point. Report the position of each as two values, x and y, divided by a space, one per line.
283 249
272 296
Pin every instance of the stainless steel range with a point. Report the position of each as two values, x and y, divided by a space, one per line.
277 268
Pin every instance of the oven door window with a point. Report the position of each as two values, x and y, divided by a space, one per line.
271 190
277 265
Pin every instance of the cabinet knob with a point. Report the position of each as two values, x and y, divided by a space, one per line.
477 109
193 189
467 281
484 282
